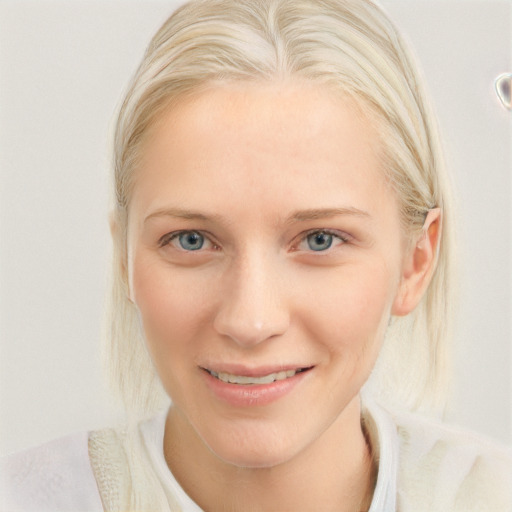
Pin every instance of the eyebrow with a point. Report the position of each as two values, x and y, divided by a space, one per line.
180 214
322 213
298 216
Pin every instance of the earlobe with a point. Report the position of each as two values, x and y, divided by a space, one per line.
419 265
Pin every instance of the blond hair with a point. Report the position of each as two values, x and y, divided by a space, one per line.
349 45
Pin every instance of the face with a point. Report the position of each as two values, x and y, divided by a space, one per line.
264 257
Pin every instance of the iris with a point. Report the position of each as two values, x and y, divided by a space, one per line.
319 241
191 240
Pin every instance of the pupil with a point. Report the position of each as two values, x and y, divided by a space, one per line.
191 241
320 241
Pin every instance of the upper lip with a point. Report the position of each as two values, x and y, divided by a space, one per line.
246 371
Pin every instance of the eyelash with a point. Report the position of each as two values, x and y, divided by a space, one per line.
342 237
170 237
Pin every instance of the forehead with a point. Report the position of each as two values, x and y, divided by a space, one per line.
275 144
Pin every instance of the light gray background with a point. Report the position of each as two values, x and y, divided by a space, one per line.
63 67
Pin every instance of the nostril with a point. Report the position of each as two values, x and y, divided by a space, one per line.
237 325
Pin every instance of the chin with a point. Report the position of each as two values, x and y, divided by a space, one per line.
258 460
246 449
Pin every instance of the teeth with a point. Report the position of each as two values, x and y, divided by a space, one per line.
244 380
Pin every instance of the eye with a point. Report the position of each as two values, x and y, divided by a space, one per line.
320 240
186 241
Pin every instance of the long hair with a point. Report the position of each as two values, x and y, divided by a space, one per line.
350 46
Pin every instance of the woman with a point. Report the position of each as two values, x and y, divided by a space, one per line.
283 238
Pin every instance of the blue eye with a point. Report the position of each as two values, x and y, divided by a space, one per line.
319 241
190 240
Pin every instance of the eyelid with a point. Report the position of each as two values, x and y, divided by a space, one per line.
166 239
341 235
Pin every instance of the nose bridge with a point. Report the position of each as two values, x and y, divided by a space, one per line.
253 307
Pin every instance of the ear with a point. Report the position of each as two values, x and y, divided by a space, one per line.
419 265
120 257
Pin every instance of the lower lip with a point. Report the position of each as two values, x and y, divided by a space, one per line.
252 395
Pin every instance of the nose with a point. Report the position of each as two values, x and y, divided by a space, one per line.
253 306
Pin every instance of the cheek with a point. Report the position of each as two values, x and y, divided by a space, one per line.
173 303
350 307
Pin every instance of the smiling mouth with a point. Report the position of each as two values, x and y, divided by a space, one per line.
245 380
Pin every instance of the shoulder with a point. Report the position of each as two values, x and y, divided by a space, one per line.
450 469
55 476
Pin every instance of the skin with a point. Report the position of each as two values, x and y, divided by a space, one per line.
256 169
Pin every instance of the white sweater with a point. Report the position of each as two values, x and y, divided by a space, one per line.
422 466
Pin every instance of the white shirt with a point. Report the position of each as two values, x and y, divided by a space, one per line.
386 444
54 477
423 466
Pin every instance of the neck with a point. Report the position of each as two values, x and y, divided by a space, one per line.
335 473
